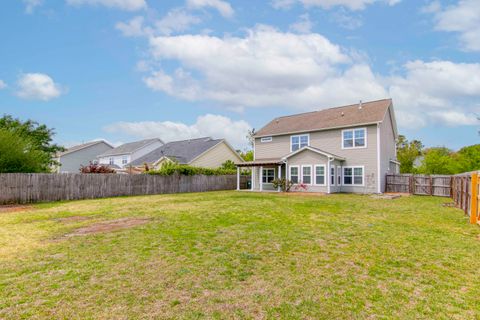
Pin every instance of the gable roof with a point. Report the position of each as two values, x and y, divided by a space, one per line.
82 146
338 117
316 150
183 151
128 148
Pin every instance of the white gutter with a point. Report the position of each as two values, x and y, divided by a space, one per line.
327 174
379 187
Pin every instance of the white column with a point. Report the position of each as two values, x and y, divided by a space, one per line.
252 184
327 175
238 178
260 181
279 175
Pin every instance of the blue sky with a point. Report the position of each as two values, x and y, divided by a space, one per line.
128 69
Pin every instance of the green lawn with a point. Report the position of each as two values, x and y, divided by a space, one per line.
241 255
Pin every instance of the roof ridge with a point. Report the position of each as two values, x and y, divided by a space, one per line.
338 107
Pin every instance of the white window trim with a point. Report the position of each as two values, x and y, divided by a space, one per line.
266 139
311 174
353 135
274 172
290 172
111 160
339 175
334 176
353 176
299 135
324 175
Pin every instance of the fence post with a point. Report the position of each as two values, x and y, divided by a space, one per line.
411 183
474 198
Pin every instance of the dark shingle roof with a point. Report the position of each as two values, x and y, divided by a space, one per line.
351 115
182 151
129 147
81 146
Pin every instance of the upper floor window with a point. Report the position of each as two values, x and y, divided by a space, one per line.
124 159
298 142
111 160
266 139
355 138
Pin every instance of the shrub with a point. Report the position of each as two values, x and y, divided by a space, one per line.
96 168
171 168
284 184
229 165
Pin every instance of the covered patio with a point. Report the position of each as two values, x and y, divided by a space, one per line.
263 173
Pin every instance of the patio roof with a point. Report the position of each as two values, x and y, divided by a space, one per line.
260 162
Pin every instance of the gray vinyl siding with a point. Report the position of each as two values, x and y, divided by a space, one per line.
331 141
310 158
71 162
387 147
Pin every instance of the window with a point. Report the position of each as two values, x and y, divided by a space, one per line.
268 175
307 174
111 160
298 142
124 159
266 139
353 176
294 174
320 175
332 175
339 175
354 138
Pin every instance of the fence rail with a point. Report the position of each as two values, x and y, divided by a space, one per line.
37 187
433 185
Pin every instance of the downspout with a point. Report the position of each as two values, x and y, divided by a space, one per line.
328 174
379 185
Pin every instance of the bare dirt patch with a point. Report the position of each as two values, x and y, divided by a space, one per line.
109 226
14 208
72 219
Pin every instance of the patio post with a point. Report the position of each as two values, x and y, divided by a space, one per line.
238 178
252 183
279 174
260 181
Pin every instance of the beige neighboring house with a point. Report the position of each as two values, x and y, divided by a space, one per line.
343 149
202 152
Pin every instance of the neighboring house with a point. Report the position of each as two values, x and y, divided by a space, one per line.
202 152
343 149
73 158
128 152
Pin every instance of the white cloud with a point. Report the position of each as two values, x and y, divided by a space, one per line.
31 4
3 85
436 92
264 68
346 20
328 4
223 7
128 5
176 20
133 28
462 18
303 25
37 86
214 126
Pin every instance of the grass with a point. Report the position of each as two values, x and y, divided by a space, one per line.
240 255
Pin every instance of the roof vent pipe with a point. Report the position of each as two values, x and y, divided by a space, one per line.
360 105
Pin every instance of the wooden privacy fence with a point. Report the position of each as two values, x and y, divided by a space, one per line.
37 187
432 185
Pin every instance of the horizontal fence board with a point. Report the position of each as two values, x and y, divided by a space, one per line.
41 187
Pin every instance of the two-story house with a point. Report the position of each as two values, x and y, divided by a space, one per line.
74 157
342 149
120 156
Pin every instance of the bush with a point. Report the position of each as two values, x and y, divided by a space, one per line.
96 168
229 165
171 168
284 184
19 154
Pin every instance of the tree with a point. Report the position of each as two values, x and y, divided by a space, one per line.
229 165
468 158
38 135
251 137
407 153
439 160
247 155
19 154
